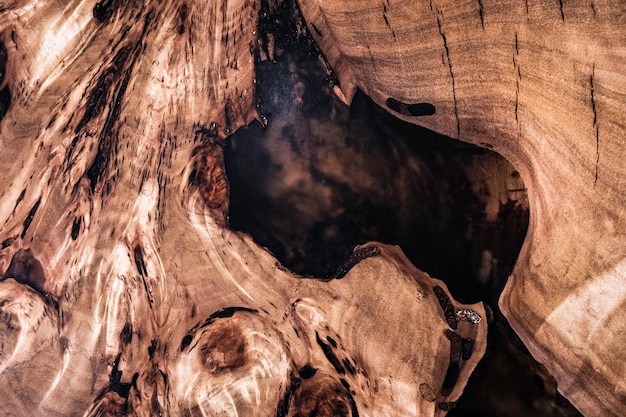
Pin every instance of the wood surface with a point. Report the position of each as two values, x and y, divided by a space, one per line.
123 293
542 83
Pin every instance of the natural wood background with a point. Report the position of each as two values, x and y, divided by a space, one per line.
122 293
543 84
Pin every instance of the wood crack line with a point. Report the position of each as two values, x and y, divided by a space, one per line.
518 78
595 121
445 45
393 32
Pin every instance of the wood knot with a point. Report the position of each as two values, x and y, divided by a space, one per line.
209 176
224 350
322 398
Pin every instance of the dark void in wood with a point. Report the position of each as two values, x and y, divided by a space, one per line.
467 347
185 342
76 227
330 355
452 374
139 261
353 407
331 341
112 82
8 241
183 14
29 219
357 256
446 305
405 109
103 10
152 348
226 313
120 388
456 343
307 371
5 101
285 402
348 366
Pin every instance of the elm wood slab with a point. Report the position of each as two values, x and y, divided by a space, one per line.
541 83
122 291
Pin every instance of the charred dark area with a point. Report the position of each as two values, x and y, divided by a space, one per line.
330 355
322 178
5 101
417 109
104 9
307 371
446 306
29 219
357 256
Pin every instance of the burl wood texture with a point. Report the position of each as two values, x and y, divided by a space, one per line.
121 291
544 84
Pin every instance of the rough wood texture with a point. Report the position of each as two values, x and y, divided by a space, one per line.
542 83
121 291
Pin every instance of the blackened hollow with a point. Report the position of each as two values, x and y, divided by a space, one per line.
330 355
76 228
29 218
405 109
5 101
307 371
386 181
185 342
285 402
322 178
226 313
104 9
357 256
446 306
121 388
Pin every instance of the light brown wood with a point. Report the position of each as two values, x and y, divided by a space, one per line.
542 83
121 290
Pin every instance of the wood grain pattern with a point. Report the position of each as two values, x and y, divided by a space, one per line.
542 83
122 292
